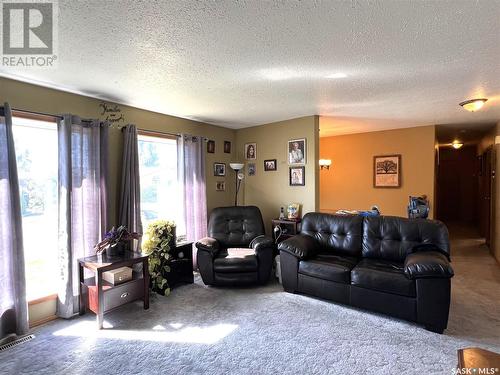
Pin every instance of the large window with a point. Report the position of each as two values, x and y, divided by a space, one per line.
36 153
160 190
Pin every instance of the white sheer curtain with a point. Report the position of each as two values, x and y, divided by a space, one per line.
82 200
13 305
191 159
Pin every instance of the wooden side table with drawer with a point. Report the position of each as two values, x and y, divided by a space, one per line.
101 296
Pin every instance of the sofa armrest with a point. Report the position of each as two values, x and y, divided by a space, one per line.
299 246
208 244
262 243
427 265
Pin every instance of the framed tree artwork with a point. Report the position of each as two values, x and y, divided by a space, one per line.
387 171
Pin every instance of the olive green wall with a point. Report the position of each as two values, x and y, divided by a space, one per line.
36 98
270 190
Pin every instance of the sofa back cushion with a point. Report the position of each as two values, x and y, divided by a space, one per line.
235 226
391 238
341 234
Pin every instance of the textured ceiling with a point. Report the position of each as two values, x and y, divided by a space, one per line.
238 64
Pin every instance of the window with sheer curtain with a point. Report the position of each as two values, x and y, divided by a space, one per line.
160 190
36 155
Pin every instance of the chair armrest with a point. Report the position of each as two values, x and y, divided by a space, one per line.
299 246
208 244
427 265
262 242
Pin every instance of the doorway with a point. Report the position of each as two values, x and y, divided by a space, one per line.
465 168
457 185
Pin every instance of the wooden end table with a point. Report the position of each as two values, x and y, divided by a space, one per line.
101 296
478 361
289 228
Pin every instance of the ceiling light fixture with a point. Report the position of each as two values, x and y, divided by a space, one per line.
337 75
473 105
456 144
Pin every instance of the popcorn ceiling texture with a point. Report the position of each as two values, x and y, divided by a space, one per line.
245 63
202 330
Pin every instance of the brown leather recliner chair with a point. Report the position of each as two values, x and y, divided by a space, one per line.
230 228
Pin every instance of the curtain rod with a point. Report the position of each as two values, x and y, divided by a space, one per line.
156 132
36 113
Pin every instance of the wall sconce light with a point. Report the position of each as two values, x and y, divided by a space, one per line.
325 163
473 105
456 144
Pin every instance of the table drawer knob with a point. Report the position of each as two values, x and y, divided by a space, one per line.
125 295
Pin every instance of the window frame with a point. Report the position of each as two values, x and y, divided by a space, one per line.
26 115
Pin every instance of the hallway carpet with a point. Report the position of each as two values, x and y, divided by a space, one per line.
202 330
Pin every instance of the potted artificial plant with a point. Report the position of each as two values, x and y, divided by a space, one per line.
116 241
159 239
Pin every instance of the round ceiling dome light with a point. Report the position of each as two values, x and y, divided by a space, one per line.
473 105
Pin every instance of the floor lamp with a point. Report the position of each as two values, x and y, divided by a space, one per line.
237 167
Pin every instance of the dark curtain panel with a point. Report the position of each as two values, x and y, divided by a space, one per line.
130 197
13 305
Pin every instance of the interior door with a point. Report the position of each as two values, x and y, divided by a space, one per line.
485 194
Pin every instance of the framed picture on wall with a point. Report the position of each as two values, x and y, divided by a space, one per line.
387 171
270 165
219 169
251 169
220 186
227 147
297 151
251 151
297 176
211 147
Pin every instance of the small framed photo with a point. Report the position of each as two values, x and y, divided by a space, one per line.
297 151
220 186
297 176
251 169
270 165
227 147
219 169
387 171
251 151
211 147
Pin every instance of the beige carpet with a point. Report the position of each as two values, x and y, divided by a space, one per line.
202 330
475 304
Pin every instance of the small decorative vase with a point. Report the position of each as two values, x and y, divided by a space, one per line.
116 250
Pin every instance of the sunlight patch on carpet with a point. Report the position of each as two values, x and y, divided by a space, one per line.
189 335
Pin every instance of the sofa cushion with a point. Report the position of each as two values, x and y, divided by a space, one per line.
236 260
329 267
341 234
384 276
392 238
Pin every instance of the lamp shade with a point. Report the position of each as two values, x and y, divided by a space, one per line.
236 166
325 162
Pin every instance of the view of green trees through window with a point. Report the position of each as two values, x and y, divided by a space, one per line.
36 154
160 190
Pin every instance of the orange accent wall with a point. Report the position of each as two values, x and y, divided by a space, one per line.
348 184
